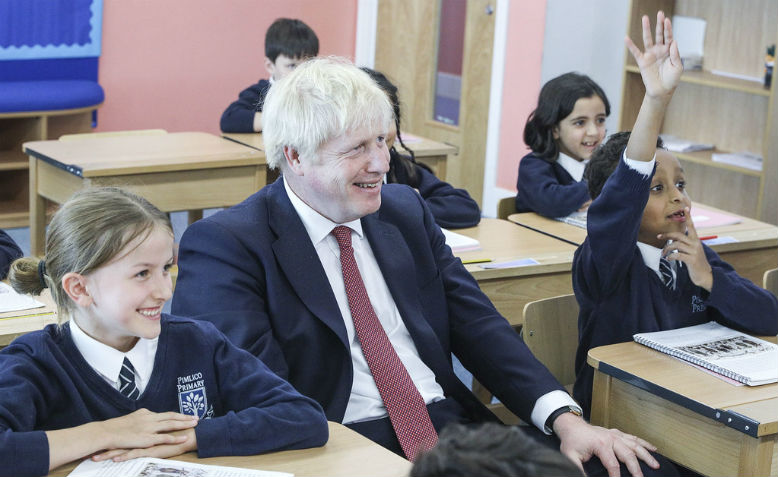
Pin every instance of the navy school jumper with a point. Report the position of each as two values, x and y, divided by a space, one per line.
620 296
239 115
245 409
547 188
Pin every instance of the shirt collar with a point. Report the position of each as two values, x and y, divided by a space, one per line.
573 167
651 255
317 225
107 361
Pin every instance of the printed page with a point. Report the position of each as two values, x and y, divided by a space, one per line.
12 301
150 467
459 242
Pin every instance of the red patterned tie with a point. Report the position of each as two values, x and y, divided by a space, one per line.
409 416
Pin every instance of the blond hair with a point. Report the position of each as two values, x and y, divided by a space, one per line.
320 100
87 232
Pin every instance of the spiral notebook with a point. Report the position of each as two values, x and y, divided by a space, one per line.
723 350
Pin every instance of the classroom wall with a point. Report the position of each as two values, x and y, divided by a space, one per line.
177 64
546 39
523 55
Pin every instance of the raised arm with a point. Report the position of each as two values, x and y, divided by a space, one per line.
661 68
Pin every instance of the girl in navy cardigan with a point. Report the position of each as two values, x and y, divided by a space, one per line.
452 208
563 131
120 379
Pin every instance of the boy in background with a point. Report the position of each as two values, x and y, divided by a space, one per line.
287 43
642 267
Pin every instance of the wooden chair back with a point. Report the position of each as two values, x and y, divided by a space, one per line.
506 207
771 281
551 333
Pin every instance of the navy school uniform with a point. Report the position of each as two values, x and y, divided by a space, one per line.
244 408
547 188
620 296
239 115
9 252
452 208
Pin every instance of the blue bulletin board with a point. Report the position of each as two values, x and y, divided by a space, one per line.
49 29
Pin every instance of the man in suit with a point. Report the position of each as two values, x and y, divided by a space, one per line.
276 273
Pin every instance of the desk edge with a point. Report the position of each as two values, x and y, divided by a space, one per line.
731 419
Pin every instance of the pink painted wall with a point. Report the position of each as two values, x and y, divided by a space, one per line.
523 58
176 64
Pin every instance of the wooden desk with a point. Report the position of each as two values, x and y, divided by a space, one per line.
693 418
512 288
346 454
431 153
176 171
16 323
755 251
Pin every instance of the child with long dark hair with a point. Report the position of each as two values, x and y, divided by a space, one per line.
563 131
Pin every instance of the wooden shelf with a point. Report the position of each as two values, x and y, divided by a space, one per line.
706 158
706 78
16 129
734 114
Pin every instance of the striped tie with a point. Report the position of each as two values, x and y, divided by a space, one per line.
127 380
667 273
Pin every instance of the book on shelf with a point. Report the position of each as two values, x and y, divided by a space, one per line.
676 144
725 351
740 159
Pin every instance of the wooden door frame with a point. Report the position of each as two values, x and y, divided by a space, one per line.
367 28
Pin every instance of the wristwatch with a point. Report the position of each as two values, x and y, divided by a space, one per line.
549 426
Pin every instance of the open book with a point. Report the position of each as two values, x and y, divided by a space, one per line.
723 350
151 467
459 242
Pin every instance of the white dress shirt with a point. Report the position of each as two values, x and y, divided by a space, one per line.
365 402
573 167
107 361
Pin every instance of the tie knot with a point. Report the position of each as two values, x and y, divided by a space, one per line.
342 235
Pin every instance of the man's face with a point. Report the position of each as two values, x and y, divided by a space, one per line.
342 180
282 66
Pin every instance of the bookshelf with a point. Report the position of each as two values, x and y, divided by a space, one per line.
734 114
16 129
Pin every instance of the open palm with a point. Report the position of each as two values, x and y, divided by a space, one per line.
660 64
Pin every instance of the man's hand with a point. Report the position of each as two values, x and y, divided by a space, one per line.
581 441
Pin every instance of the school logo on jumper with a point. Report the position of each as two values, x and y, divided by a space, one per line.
697 304
192 399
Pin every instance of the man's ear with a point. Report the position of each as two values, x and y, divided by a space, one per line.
293 160
74 285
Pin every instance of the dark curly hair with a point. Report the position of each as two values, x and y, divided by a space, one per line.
556 101
605 159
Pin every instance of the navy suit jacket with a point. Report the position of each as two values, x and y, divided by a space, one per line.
253 271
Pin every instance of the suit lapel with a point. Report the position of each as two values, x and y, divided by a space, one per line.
300 263
398 268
